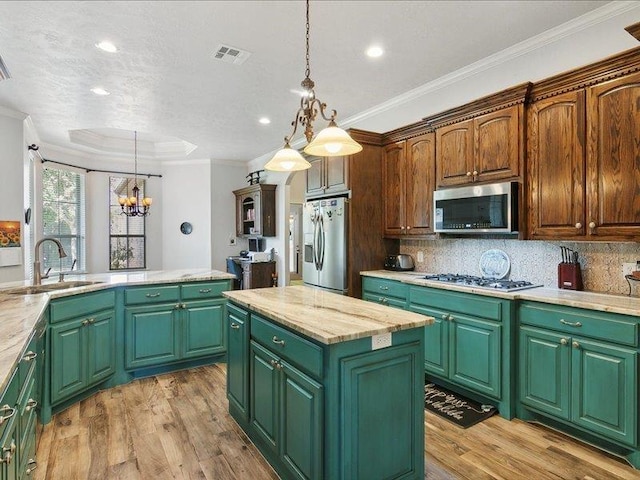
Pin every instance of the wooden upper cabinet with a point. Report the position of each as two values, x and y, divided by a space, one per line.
487 148
556 166
408 183
497 141
420 183
455 153
394 187
256 210
613 158
327 176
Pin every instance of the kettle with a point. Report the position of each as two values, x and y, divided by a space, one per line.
399 262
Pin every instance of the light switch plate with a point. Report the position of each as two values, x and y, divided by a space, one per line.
381 341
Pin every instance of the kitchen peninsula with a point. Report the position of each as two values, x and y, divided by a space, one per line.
327 386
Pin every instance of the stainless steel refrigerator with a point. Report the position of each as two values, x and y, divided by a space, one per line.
325 244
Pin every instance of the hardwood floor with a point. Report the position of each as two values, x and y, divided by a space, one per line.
176 426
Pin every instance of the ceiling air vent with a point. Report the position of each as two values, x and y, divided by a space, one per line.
231 54
4 71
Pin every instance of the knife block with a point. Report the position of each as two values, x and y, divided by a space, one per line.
569 276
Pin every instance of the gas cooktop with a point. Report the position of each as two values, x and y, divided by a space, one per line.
481 282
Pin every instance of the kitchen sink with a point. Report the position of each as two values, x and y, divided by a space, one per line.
50 287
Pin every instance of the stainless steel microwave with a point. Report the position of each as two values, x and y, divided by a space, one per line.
477 209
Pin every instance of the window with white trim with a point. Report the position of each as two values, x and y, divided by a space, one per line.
127 237
63 218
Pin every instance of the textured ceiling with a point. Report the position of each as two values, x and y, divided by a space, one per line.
164 81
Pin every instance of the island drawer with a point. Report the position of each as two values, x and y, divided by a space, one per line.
198 291
146 295
302 353
79 305
28 360
621 329
470 304
381 286
385 300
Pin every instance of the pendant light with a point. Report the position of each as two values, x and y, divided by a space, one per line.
134 206
330 142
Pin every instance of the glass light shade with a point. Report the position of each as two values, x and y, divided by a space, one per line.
287 160
332 142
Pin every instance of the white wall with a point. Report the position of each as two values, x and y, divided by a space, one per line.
12 156
225 178
186 190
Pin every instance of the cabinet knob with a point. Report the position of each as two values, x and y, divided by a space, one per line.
408 227
85 323
235 326
468 174
176 306
29 356
444 317
31 404
277 341
578 226
592 225
563 341
92 321
475 173
8 452
575 344
401 227
450 318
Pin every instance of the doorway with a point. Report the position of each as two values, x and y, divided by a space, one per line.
295 241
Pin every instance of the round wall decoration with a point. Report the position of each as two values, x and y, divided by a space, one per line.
186 228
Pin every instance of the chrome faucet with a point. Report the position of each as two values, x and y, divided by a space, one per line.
37 274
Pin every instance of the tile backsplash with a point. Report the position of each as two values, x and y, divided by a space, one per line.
532 260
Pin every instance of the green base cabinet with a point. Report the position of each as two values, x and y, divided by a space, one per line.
83 353
151 335
580 368
203 329
385 292
470 345
316 411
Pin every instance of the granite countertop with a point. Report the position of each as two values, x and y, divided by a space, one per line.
324 316
21 314
590 300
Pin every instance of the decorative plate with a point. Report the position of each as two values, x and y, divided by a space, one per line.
186 228
494 263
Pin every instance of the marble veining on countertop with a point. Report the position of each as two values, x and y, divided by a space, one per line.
20 314
324 316
603 302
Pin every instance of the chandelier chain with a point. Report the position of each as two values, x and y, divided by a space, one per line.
308 69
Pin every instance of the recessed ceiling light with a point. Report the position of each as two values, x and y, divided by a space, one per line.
264 121
100 91
107 47
374 51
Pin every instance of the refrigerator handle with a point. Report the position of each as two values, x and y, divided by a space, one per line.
315 243
322 242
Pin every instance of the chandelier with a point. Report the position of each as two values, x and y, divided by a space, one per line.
330 142
134 206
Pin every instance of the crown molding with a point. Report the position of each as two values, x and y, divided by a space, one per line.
634 30
587 20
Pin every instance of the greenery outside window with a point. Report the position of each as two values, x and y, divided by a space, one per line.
127 240
63 218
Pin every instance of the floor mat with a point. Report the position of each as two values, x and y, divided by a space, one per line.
454 407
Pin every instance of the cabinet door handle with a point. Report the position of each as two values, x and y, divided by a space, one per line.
85 323
8 453
578 226
563 341
450 318
468 174
31 404
6 408
408 227
235 326
444 317
575 345
29 356
32 466
205 290
92 321
382 287
592 225
475 173
277 341
571 324
275 364
152 295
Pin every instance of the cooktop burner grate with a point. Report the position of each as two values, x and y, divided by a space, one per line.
481 282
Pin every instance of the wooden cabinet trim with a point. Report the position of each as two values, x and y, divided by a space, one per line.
607 69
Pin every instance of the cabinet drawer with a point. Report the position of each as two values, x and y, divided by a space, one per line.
28 360
585 323
388 288
470 304
78 305
8 403
385 300
304 354
144 295
204 290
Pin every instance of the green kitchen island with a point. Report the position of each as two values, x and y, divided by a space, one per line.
327 386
